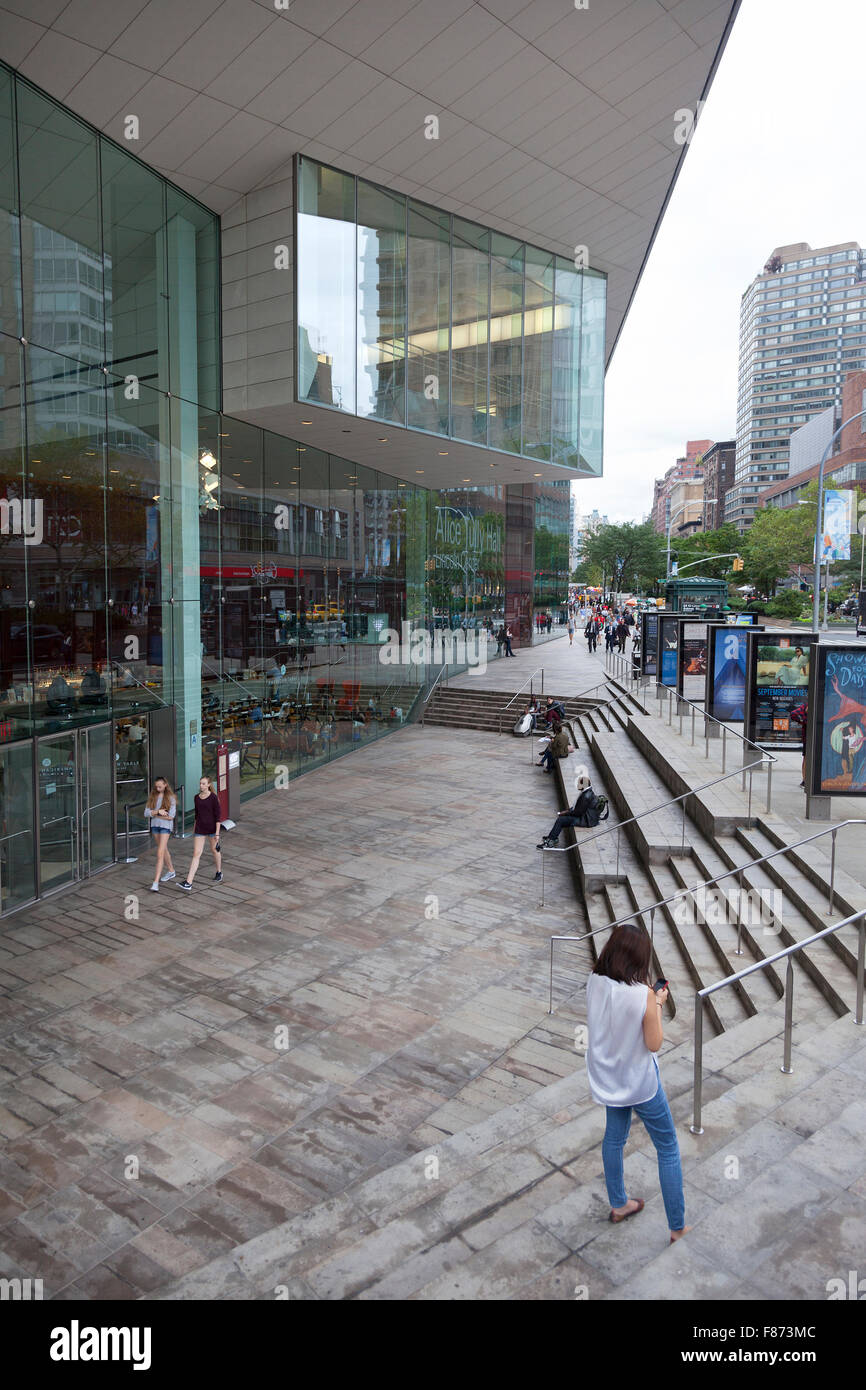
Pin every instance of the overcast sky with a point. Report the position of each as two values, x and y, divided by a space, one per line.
778 156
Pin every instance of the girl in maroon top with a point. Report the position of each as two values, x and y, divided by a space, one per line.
207 827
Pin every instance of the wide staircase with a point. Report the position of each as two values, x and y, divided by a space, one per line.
495 711
503 1196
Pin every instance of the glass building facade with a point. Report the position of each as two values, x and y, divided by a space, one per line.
173 579
415 317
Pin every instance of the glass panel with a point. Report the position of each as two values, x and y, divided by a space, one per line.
17 841
244 575
131 773
506 343
210 588
10 247
429 318
61 237
138 547
537 353
281 716
381 303
326 286
22 521
566 363
58 816
133 219
193 296
317 625
551 548
66 404
469 331
593 319
96 821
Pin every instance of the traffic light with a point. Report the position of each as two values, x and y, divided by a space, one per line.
738 562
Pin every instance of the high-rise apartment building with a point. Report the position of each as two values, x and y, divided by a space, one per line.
802 328
718 465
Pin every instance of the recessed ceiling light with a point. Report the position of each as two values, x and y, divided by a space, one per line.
345 431
536 475
419 470
443 453
467 480
306 422
224 436
302 448
382 440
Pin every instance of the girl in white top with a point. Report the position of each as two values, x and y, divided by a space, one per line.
161 810
624 1017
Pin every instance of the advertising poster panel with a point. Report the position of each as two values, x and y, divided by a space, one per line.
839 757
726 673
692 663
838 524
668 643
777 684
649 644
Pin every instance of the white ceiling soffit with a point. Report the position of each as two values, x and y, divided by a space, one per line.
556 123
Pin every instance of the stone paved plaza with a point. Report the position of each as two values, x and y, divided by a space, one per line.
221 1094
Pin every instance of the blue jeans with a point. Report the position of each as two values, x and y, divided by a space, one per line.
659 1125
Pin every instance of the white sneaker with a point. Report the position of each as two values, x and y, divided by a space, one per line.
167 877
154 888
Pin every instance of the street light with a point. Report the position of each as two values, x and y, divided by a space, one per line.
819 526
706 503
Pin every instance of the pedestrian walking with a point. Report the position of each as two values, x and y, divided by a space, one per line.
590 632
624 1018
207 827
160 810
570 628
508 651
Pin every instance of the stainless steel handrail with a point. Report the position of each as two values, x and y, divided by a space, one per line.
787 954
711 883
527 682
766 755
442 670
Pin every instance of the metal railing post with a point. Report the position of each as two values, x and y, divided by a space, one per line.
861 971
789 1015
724 745
550 996
739 950
617 852
542 878
751 780
683 842
832 869
652 925
693 726
670 706
699 1049
769 787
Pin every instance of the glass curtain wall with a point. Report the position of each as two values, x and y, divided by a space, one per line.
409 315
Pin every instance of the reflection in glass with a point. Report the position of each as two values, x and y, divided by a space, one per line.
566 363
537 353
469 331
17 837
593 319
326 288
506 343
381 288
10 246
429 318
61 238
56 771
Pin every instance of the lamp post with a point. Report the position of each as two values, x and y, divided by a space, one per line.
706 502
819 525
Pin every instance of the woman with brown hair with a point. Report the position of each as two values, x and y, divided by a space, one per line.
160 810
208 818
624 1016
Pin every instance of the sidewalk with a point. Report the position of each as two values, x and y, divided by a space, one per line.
567 670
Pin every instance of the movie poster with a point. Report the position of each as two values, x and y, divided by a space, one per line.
728 695
649 643
840 749
692 672
778 686
668 641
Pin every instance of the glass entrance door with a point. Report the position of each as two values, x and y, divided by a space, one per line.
75 805
97 798
57 810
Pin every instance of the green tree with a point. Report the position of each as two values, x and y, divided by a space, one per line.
627 553
777 539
